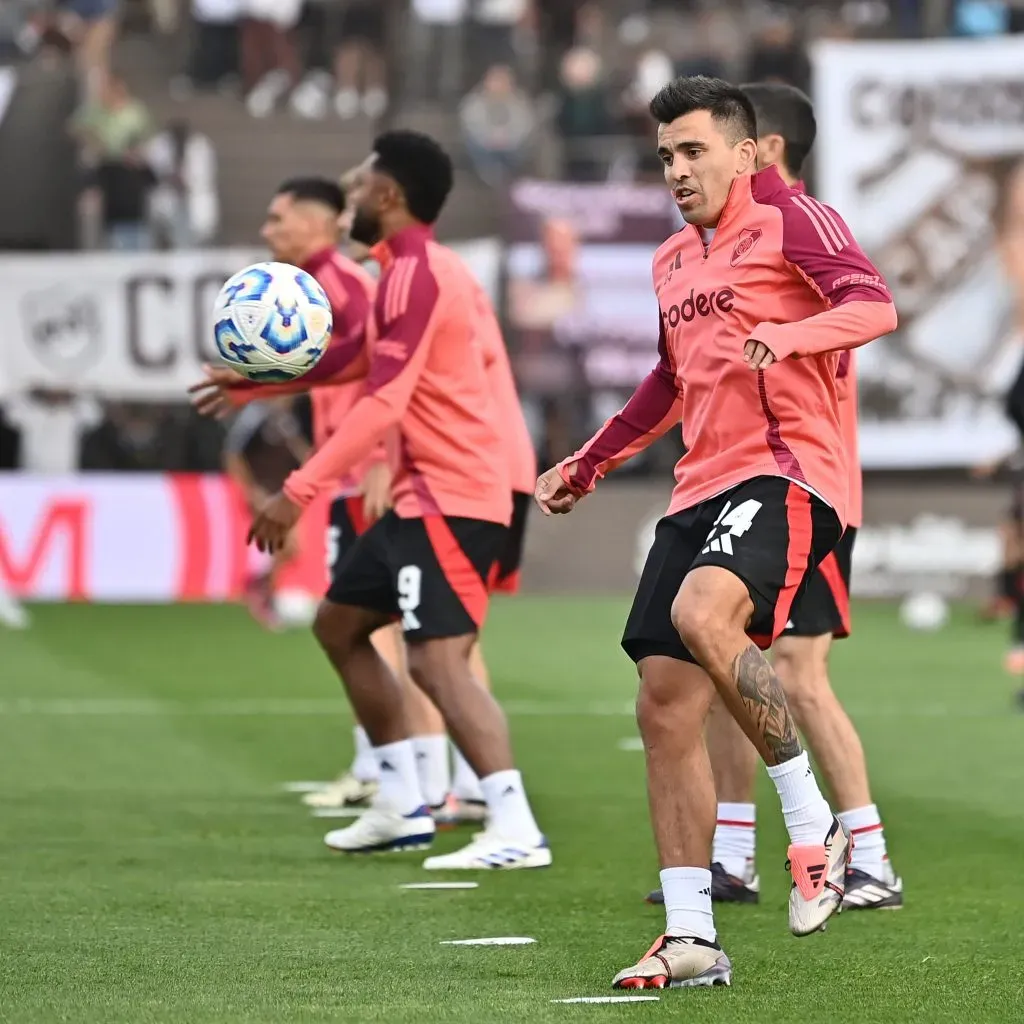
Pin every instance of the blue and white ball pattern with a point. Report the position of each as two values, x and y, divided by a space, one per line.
272 322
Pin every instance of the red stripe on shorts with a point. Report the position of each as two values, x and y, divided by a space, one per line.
829 569
458 570
798 514
356 514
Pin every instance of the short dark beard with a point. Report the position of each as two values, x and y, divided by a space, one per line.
365 228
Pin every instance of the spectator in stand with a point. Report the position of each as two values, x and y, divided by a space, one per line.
360 71
110 122
436 43
124 186
213 57
497 122
493 29
184 205
653 69
778 54
96 38
270 61
583 114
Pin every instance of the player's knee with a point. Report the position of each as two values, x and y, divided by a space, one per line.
711 605
666 704
804 680
337 627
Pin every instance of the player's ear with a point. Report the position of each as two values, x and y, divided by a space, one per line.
746 156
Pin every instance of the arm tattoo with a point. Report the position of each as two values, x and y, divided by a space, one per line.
762 697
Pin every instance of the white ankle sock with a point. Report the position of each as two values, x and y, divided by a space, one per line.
869 853
465 784
808 816
735 838
687 894
509 810
399 785
364 765
432 767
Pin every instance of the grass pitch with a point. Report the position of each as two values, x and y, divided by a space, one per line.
151 868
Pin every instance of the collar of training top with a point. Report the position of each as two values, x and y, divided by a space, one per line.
319 259
409 240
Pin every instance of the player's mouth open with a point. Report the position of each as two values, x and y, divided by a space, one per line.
683 195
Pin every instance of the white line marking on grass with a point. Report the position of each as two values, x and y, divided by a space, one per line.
299 707
610 999
440 885
337 812
304 787
514 940
631 743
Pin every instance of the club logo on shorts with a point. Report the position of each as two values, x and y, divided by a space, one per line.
748 239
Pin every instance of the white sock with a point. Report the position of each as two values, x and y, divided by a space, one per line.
465 784
364 766
808 816
735 838
399 785
432 767
688 902
869 853
510 814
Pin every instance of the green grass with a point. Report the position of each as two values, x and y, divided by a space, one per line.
152 870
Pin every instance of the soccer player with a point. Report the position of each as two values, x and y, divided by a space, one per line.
427 560
786 130
266 441
757 294
302 227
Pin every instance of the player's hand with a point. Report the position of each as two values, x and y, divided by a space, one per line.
757 355
273 522
551 494
210 395
376 491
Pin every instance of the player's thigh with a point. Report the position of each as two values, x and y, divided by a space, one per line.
770 533
649 630
441 568
506 572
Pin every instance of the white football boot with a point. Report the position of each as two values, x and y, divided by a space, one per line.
381 829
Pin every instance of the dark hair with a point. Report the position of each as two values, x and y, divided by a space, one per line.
422 169
1007 175
315 190
784 110
727 104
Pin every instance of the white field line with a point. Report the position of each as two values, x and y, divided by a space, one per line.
280 707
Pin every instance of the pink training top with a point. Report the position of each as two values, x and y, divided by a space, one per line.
784 270
518 445
846 375
351 291
426 376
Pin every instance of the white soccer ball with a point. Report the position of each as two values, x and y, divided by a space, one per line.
924 611
272 322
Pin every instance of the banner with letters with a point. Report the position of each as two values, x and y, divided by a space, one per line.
917 147
128 326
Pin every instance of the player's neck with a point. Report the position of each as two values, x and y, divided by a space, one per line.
313 249
400 224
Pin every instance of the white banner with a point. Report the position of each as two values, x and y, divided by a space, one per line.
127 326
914 141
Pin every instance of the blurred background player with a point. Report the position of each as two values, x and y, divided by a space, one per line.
786 131
430 559
265 442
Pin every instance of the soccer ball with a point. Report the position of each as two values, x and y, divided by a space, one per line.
272 322
924 611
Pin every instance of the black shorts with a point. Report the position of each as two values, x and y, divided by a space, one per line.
345 526
431 573
824 605
506 571
767 531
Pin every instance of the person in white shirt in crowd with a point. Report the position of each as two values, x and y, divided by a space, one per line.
184 207
498 120
270 61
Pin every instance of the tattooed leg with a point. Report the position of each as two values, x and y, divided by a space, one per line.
710 612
